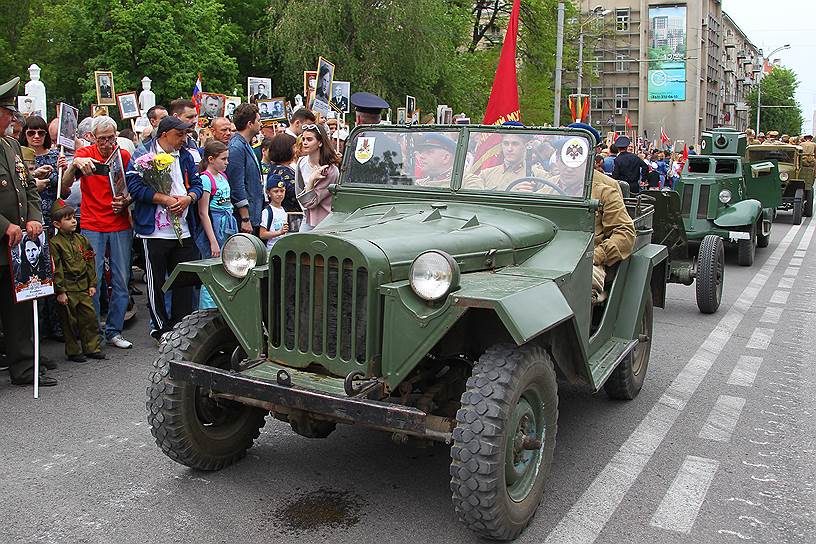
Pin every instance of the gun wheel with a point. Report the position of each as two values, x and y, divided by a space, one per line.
504 440
190 427
710 272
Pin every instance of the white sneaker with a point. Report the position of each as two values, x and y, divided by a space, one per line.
164 337
120 342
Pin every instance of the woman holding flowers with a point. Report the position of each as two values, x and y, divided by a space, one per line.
164 183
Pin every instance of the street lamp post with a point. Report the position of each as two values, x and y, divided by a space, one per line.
759 82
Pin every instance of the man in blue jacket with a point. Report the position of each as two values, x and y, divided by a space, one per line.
153 223
244 169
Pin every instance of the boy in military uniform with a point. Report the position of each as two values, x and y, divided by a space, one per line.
75 285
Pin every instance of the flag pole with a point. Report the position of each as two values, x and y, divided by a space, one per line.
36 350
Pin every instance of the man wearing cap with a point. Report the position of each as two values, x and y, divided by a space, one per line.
808 157
436 154
628 166
761 137
19 210
105 221
153 223
387 159
513 166
751 137
773 138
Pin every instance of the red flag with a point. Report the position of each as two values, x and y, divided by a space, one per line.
503 104
628 121
664 138
685 153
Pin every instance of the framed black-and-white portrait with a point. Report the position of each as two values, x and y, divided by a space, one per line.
341 92
402 118
212 106
230 104
98 109
116 173
128 105
67 125
258 88
32 269
323 89
105 93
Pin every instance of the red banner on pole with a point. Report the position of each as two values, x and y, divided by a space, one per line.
503 104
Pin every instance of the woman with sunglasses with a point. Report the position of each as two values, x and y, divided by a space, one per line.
316 170
47 162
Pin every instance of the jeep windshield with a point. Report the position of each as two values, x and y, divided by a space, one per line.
779 155
480 159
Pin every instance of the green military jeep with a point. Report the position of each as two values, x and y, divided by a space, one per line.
723 194
425 305
797 187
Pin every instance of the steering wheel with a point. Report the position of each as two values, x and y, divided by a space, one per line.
538 184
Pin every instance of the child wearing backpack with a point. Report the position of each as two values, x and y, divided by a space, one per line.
274 219
214 208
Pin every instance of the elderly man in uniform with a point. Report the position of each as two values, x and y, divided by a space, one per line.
436 154
19 209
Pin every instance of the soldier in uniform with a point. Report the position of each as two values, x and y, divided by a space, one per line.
75 285
808 157
19 209
773 138
751 137
514 166
436 154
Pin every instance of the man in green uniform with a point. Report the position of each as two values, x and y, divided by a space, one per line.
808 157
75 285
436 153
19 209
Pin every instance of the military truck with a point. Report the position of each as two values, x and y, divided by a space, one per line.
797 186
426 305
723 194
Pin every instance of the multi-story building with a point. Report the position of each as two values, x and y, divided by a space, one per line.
680 67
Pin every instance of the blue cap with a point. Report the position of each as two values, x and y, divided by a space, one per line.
512 124
275 180
368 103
588 128
622 142
438 140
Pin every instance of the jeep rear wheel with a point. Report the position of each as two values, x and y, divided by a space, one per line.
190 427
710 271
798 206
746 249
627 379
504 440
808 208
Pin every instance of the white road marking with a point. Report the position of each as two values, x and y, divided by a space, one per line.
771 315
745 372
799 253
760 339
593 509
723 419
779 297
796 261
791 271
681 504
786 283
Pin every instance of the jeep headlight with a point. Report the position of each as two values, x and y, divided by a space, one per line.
241 253
433 275
725 196
784 176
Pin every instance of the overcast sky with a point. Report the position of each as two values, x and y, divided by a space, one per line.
772 24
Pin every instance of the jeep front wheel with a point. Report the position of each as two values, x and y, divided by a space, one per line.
189 426
504 440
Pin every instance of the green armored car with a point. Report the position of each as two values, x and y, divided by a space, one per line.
795 180
723 194
426 306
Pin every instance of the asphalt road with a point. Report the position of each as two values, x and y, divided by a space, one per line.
718 447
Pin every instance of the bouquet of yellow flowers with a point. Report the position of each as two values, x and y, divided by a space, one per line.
155 170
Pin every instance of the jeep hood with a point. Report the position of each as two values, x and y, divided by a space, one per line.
471 233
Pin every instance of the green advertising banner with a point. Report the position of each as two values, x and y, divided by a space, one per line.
667 53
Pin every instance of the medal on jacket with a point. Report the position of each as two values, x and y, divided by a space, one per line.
21 171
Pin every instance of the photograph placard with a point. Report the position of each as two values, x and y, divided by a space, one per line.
32 268
128 105
273 109
116 173
309 86
323 90
67 125
99 109
105 93
230 104
212 106
341 93
28 106
258 88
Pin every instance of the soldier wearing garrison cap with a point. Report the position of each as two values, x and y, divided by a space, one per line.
19 211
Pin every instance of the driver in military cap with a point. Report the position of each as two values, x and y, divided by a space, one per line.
19 210
436 153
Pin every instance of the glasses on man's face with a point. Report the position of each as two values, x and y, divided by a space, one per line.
106 139
35 132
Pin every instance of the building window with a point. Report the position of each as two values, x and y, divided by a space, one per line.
597 99
622 98
596 66
622 20
621 62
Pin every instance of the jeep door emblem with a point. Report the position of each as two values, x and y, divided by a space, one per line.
364 150
574 153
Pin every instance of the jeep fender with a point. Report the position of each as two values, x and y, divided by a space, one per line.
239 300
740 214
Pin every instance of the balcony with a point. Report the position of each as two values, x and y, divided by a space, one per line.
741 54
742 106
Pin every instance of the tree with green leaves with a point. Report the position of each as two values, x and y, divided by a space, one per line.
779 111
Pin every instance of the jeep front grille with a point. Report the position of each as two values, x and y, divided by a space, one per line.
319 306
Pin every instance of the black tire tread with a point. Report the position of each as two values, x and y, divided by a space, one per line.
746 249
165 402
711 249
808 205
621 383
798 206
476 467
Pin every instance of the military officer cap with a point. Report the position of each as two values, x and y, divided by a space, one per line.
589 128
440 141
807 137
368 103
622 142
61 210
773 134
761 135
27 153
8 94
